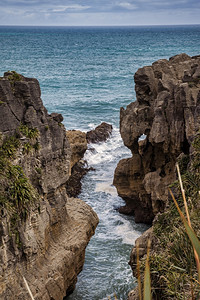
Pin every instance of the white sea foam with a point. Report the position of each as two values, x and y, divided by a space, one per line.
106 187
107 151
126 232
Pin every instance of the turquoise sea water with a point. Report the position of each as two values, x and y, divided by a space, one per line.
87 75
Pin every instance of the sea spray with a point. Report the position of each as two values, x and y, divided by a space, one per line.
106 270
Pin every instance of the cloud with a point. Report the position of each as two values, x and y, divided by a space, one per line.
98 12
127 5
75 7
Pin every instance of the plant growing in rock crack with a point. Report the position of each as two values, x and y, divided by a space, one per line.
31 133
9 147
17 195
27 147
14 76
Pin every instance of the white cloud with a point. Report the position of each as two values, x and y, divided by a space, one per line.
127 5
75 7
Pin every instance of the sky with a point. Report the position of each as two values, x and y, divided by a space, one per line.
99 12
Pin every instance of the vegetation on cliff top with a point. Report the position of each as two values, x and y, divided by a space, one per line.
173 268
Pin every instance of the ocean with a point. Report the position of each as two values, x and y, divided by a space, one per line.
86 74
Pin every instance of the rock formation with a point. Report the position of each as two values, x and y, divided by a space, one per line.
100 134
43 239
158 127
78 144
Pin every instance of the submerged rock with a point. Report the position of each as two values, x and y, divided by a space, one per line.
167 114
44 241
100 134
74 185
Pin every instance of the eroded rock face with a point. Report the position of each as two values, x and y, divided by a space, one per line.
56 232
167 113
100 134
78 144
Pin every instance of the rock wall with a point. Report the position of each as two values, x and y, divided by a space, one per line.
49 247
158 127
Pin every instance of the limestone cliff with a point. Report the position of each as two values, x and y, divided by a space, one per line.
43 232
166 113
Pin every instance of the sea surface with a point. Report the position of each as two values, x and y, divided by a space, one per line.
86 74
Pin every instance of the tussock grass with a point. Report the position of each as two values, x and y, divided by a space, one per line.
17 195
174 261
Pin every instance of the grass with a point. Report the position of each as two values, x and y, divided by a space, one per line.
17 195
9 147
14 76
174 260
31 133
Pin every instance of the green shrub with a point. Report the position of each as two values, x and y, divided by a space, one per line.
14 77
9 147
27 147
31 133
17 195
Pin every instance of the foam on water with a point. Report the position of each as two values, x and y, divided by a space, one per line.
107 254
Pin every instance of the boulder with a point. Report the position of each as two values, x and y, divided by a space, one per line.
100 134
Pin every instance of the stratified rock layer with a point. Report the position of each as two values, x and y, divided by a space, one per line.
78 145
55 234
167 113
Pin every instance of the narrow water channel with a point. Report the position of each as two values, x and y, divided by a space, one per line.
106 271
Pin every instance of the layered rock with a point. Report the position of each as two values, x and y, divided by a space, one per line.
78 144
49 246
158 127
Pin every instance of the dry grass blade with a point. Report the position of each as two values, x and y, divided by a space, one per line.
192 290
183 194
28 289
138 272
147 279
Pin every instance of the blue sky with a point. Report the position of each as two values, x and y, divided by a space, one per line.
99 12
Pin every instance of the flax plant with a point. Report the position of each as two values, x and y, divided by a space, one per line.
147 279
187 223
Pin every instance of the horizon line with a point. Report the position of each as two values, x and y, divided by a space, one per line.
142 25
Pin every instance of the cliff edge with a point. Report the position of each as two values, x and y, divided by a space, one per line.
43 232
158 127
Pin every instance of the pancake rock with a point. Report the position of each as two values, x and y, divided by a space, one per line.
78 144
158 127
43 232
